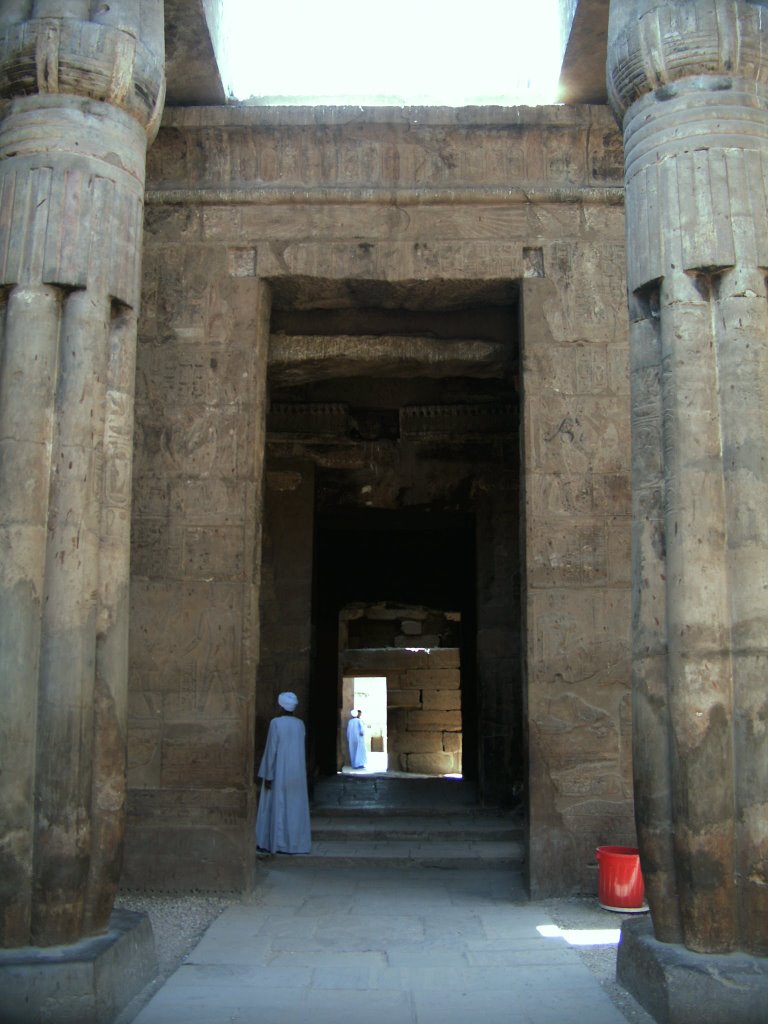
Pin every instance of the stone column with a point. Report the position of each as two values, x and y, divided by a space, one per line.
81 88
686 82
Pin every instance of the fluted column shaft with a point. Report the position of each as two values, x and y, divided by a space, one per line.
82 88
685 81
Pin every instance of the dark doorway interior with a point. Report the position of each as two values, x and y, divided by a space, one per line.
393 475
409 557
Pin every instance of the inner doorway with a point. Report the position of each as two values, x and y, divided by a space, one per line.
383 582
415 652
368 695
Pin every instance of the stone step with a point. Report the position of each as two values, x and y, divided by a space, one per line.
434 855
381 827
396 793
397 853
452 839
387 820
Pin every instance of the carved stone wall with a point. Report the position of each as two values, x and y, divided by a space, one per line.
577 555
413 210
195 567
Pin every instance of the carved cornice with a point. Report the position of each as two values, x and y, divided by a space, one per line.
458 421
318 419
652 45
491 195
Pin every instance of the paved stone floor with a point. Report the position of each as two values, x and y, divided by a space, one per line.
329 943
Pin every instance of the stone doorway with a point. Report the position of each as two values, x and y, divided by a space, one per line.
380 269
412 714
392 478
368 695
411 566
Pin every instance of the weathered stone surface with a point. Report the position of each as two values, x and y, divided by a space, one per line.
213 825
116 56
434 678
694 271
563 618
526 211
90 982
433 720
581 494
186 723
440 658
427 632
426 641
690 41
82 97
392 660
192 39
415 743
425 148
441 700
451 742
431 764
293 360
678 986
403 698
582 76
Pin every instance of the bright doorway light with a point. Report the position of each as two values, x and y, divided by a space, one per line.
401 53
369 695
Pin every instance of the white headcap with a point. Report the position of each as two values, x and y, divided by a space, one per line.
288 701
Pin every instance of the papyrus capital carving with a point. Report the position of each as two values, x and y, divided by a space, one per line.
116 62
652 45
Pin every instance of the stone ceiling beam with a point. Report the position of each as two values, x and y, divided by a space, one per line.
296 359
585 30
195 53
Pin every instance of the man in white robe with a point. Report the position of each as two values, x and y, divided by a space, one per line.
282 820
356 740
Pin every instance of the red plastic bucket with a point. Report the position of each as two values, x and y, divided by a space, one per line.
620 881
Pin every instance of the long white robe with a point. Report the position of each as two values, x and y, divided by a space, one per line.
282 820
356 743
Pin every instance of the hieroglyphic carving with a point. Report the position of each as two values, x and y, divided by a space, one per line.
438 150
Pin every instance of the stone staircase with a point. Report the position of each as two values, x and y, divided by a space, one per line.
394 822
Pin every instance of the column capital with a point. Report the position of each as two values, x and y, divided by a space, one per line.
89 59
653 44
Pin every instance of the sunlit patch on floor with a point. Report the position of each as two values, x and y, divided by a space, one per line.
581 936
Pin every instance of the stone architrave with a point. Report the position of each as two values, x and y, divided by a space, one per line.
687 81
81 93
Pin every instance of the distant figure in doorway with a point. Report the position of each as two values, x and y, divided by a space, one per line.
282 821
356 740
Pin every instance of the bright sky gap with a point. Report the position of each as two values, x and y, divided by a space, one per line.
403 53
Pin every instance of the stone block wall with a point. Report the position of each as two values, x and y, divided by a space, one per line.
424 721
285 592
578 563
196 551
424 716
388 625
